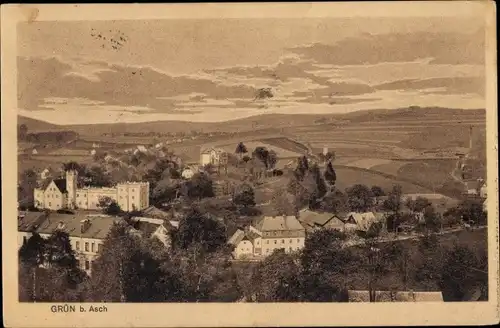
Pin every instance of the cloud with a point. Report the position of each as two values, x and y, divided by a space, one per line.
40 78
443 48
448 85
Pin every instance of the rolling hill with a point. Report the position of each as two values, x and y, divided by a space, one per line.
271 122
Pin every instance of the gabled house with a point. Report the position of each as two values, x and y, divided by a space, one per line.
152 228
243 242
313 221
361 221
211 156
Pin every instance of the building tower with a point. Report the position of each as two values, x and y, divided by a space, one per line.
71 185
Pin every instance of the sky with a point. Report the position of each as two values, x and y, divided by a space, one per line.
84 72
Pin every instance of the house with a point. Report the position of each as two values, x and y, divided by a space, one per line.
140 149
485 205
156 213
95 145
159 145
313 221
93 152
211 156
152 228
361 221
187 173
394 296
34 151
279 232
86 233
243 242
63 193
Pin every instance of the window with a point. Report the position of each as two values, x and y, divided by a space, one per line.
133 189
290 248
24 240
77 245
267 242
275 241
87 265
132 197
257 242
99 248
86 247
298 240
50 204
291 241
282 241
92 247
57 196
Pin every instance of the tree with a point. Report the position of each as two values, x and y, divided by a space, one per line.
264 93
22 132
277 278
283 203
326 266
109 206
196 228
432 219
334 202
330 175
114 268
200 186
377 191
393 202
418 205
244 196
241 149
74 166
359 198
97 177
472 211
460 274
272 159
428 262
27 184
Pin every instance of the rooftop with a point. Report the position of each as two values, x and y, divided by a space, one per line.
279 223
98 228
29 221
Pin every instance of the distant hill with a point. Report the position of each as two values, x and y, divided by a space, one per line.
38 126
265 121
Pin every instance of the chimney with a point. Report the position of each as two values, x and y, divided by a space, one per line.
84 225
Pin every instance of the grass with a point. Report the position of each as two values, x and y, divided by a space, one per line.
347 177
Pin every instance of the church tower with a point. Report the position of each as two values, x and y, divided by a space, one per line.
71 185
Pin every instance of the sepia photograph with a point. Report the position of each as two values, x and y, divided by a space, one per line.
249 159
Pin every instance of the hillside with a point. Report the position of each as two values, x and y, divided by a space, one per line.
266 121
39 126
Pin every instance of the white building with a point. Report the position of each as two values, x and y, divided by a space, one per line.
34 151
64 193
268 235
86 232
93 152
187 173
211 156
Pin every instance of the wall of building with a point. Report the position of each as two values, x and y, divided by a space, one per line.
88 198
244 248
288 244
133 196
53 199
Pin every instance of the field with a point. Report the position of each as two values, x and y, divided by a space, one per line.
348 176
251 145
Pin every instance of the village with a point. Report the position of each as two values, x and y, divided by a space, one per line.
264 203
